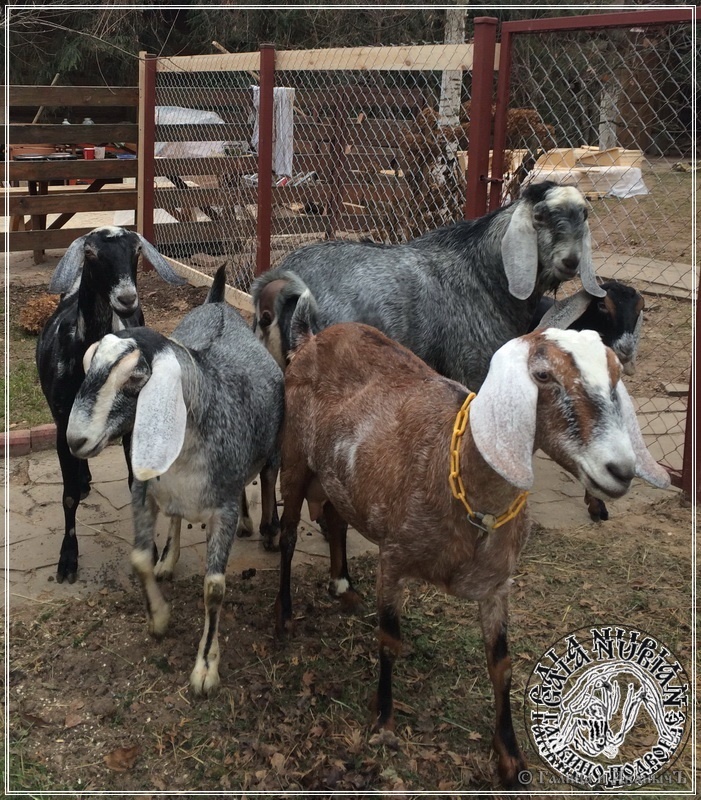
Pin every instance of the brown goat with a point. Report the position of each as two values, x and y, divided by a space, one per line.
369 428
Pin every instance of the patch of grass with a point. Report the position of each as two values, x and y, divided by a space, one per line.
28 406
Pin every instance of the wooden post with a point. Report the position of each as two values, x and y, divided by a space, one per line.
265 157
480 117
146 146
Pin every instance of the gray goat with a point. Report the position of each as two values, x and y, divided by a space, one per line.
206 408
97 280
452 296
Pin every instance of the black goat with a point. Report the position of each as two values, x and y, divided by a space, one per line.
97 281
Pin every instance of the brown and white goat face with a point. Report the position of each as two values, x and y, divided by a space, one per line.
561 391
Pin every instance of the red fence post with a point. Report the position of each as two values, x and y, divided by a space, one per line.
265 157
146 146
500 112
689 457
480 117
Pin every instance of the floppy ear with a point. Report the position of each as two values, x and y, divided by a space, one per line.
564 312
68 268
519 252
503 415
161 416
159 263
645 465
586 267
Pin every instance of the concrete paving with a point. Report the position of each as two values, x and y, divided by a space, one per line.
104 527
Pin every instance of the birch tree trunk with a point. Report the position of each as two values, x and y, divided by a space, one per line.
451 81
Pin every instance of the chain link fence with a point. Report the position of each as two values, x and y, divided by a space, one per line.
610 111
375 152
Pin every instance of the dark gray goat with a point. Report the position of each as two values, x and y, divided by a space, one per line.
452 296
617 318
205 409
97 280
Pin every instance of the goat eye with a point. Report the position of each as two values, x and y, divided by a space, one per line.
538 216
542 376
585 211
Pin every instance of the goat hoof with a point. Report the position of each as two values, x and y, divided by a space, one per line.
84 492
204 681
271 542
245 527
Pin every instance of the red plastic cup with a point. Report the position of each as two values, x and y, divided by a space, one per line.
89 153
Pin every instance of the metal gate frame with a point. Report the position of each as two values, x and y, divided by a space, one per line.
686 478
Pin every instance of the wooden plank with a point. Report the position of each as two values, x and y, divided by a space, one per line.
207 132
210 165
212 196
47 240
28 133
74 202
229 62
412 57
221 231
233 296
389 192
70 170
76 96
195 97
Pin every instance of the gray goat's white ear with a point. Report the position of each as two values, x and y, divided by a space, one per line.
161 417
519 252
503 415
69 267
564 312
586 267
645 465
159 263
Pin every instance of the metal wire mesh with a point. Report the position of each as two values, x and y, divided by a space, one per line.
371 157
610 111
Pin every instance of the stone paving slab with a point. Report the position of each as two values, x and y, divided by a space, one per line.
104 526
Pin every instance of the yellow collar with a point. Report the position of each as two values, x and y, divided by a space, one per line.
486 522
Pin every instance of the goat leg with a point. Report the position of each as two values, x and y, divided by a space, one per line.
244 526
340 585
390 644
597 508
493 616
222 528
145 514
126 446
294 492
269 522
72 472
165 565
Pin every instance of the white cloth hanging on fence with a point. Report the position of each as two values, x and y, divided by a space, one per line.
283 127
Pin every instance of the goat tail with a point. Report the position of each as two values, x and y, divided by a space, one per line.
305 320
217 290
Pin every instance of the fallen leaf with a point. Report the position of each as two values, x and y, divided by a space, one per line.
123 758
308 678
474 736
385 737
277 761
72 720
33 720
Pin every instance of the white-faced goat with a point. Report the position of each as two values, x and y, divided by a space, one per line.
205 407
617 318
97 280
454 295
387 444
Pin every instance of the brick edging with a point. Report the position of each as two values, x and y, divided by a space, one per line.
28 440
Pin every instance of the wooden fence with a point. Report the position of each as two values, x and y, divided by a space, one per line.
40 188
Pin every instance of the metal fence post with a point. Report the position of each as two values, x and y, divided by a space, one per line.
500 112
147 140
480 117
265 157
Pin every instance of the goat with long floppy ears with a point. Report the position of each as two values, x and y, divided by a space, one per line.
387 445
